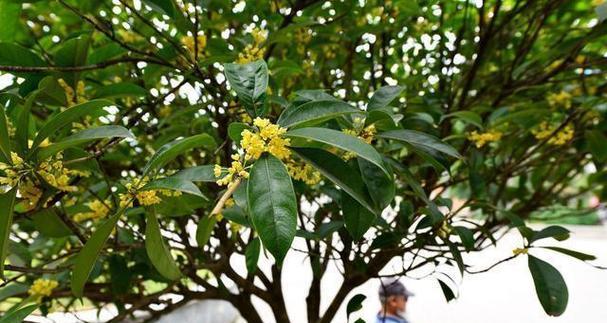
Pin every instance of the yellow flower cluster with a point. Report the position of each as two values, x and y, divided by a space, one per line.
12 172
267 139
236 169
54 173
481 139
192 47
303 172
147 197
98 209
165 111
42 287
367 134
520 251
444 231
73 97
559 100
30 193
558 139
129 36
302 36
254 51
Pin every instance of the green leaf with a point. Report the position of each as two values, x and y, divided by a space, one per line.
554 231
15 55
575 254
447 291
171 150
355 304
49 224
252 255
124 89
550 286
5 145
90 252
7 204
342 141
356 217
174 184
380 187
19 315
9 15
467 116
338 172
84 136
382 97
12 289
420 140
596 144
272 205
250 82
205 229
68 116
235 130
204 173
314 112
23 121
157 250
466 236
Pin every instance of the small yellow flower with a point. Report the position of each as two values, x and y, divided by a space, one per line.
148 197
165 111
188 42
303 172
544 130
42 287
559 100
236 169
267 139
98 210
367 134
254 51
520 251
444 231
481 139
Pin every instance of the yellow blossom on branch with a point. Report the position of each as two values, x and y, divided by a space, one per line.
481 139
195 47
561 99
267 139
545 130
42 287
235 170
98 210
254 51
303 172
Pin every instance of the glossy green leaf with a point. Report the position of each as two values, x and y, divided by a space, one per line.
342 141
5 145
338 172
575 254
355 304
356 217
250 82
49 224
381 188
204 173
272 205
124 89
467 116
420 140
383 96
447 291
550 286
68 116
7 204
314 112
252 255
466 236
174 184
84 136
205 229
90 252
173 149
554 231
19 315
157 250
9 15
235 130
596 144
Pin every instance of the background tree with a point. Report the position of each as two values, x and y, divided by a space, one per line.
145 144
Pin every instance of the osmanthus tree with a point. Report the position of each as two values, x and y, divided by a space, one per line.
146 145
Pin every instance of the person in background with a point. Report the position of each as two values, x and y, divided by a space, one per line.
393 296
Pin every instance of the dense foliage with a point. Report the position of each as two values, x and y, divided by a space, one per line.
146 145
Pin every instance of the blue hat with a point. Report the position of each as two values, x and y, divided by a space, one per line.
393 288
